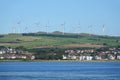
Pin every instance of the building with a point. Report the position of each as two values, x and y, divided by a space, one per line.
111 57
118 56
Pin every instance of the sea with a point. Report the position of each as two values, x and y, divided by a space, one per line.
60 71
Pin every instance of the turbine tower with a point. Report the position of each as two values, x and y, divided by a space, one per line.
26 28
37 26
47 27
90 30
63 27
103 29
13 30
19 29
78 29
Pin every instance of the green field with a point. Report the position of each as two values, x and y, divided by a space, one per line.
41 40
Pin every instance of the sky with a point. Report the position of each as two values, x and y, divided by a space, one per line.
78 16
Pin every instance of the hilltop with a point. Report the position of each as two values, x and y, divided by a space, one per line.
57 39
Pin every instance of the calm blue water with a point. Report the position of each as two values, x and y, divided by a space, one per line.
60 71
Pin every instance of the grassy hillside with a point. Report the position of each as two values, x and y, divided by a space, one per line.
39 40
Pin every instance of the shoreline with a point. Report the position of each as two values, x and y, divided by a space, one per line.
59 61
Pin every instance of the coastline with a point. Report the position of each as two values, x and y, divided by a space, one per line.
59 61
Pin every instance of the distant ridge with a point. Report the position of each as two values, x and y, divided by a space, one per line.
57 39
67 35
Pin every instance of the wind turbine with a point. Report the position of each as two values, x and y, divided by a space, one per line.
78 29
13 30
37 25
90 30
63 27
47 27
19 29
26 28
103 29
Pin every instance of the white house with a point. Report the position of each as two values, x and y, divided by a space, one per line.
1 57
13 57
81 58
85 58
32 57
73 57
98 57
89 57
23 57
111 57
1 52
64 57
118 57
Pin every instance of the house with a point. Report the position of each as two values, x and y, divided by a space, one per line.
1 52
4 50
1 57
10 56
32 57
84 57
118 56
23 56
7 50
81 57
98 57
89 57
73 57
64 57
103 55
111 57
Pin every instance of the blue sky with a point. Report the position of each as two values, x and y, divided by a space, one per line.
83 16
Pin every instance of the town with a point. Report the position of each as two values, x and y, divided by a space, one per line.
68 54
10 53
93 54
